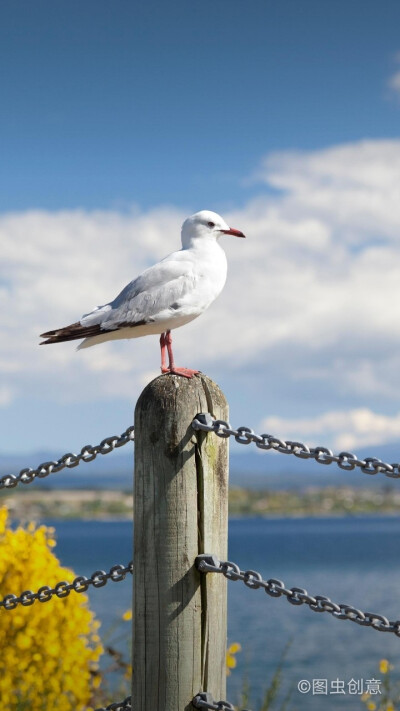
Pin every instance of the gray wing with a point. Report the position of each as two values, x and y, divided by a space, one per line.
148 298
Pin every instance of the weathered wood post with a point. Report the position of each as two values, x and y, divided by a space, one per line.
180 511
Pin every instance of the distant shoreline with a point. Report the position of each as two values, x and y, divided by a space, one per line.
108 504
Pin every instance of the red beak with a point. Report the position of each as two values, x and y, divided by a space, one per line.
232 231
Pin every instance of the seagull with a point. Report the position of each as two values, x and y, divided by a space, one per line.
168 295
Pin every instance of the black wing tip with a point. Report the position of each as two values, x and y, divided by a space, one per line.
50 336
69 333
61 334
76 331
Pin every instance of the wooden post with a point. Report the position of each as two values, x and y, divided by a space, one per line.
180 511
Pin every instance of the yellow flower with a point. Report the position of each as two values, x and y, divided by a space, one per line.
390 706
384 666
35 638
127 615
23 641
96 680
371 706
128 672
233 649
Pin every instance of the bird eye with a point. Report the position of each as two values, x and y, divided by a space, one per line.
211 224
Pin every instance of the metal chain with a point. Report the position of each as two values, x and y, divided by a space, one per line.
124 705
205 700
209 563
62 589
69 460
322 455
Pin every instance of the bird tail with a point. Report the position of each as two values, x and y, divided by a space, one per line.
70 333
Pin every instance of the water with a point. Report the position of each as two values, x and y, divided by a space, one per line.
351 560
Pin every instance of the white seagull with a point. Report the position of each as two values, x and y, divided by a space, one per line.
165 296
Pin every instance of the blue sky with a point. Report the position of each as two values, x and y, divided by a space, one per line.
105 104
119 119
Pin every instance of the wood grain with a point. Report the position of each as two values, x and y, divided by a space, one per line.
181 510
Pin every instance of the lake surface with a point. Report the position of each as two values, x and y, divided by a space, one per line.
351 560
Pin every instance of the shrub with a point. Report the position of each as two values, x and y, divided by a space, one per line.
50 650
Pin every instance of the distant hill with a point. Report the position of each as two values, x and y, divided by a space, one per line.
249 468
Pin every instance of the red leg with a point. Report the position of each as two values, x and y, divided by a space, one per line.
163 346
166 342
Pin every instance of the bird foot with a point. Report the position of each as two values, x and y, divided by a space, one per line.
184 372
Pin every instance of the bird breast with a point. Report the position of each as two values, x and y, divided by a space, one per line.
210 268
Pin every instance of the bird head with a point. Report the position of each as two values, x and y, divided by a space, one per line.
206 225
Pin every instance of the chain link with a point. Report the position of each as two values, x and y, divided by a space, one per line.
208 563
124 705
69 460
322 455
62 589
205 700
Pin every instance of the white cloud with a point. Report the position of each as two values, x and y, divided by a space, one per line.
394 80
6 396
313 293
342 430
54 267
